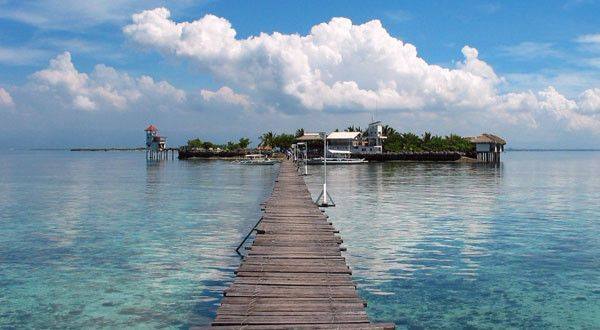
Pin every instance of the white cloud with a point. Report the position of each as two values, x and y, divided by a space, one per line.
590 101
21 55
593 62
6 99
561 109
76 14
398 16
343 66
104 88
589 38
226 95
528 50
338 65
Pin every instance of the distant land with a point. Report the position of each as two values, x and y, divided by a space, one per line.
142 148
542 149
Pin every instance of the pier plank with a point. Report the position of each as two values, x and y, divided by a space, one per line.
294 275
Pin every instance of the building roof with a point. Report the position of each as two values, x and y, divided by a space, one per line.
343 135
151 128
310 137
266 148
487 138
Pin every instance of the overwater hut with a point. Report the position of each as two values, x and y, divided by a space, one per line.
313 142
488 147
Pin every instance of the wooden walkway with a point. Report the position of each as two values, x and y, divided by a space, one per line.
294 275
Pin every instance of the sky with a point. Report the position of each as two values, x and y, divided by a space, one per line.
96 73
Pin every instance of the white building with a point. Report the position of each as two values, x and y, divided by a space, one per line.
347 142
374 139
370 142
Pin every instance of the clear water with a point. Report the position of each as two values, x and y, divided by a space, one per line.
474 246
109 240
93 240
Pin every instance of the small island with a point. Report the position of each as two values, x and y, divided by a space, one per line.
377 143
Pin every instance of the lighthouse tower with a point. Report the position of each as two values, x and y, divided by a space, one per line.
155 144
151 132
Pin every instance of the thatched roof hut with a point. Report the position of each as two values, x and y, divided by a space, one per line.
310 137
487 138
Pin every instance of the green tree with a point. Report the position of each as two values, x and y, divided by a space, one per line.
388 130
231 146
208 145
266 140
194 143
244 143
283 141
299 132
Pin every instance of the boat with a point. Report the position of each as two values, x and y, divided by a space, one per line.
342 158
336 161
258 159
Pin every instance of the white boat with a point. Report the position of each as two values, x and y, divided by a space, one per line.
336 161
342 157
258 159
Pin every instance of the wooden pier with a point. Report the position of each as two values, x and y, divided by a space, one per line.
294 275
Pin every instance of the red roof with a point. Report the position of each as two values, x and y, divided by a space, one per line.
151 128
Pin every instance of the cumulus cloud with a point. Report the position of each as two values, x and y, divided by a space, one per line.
104 88
227 96
6 99
590 101
340 65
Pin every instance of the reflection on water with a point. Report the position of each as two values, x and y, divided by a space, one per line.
401 207
107 239
471 245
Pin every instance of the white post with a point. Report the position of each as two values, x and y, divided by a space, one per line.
324 168
306 158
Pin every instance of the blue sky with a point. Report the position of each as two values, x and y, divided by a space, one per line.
523 48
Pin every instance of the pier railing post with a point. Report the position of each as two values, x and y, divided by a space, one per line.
327 200
324 168
306 159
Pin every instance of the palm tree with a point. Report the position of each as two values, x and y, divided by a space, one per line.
427 137
388 130
266 140
299 132
353 129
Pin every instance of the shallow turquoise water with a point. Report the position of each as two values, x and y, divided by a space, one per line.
474 246
107 239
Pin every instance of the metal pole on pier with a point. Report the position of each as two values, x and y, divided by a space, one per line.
326 198
324 168
306 159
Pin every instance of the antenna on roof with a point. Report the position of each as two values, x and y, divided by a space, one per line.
374 113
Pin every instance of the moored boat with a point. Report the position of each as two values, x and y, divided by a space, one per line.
336 161
258 159
340 157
